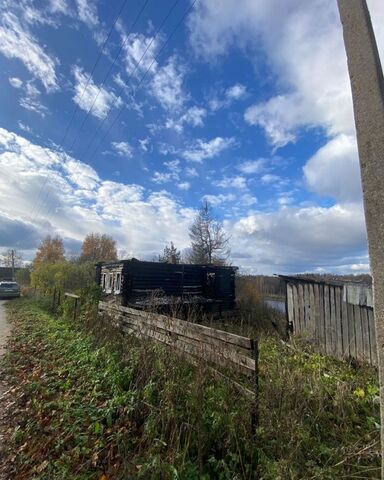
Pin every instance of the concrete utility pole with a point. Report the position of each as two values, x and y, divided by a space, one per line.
367 83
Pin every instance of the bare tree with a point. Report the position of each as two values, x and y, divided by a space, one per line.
12 258
170 254
209 241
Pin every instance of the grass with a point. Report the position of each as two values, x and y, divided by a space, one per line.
93 405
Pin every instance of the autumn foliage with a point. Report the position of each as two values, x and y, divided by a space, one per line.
98 248
50 250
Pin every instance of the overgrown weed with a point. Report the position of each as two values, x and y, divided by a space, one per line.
94 402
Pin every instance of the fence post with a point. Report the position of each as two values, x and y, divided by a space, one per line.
74 310
255 414
255 407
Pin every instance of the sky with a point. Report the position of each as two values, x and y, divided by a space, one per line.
121 117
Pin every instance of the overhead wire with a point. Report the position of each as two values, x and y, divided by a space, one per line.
99 88
134 70
76 108
142 79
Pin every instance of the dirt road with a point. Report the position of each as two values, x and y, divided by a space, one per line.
4 332
4 328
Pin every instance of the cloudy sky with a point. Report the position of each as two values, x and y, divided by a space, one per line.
121 117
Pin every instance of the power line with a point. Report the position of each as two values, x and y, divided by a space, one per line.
165 44
75 110
142 79
107 74
133 71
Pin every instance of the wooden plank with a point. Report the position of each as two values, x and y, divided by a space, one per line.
71 295
300 301
372 336
160 325
295 299
327 320
365 331
352 330
322 323
312 313
290 306
316 315
338 317
359 333
344 327
244 364
333 329
232 338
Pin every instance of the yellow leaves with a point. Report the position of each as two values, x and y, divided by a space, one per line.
104 477
359 393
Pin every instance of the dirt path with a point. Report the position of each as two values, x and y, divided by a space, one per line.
5 329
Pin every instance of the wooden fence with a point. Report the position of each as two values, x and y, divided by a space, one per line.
318 311
196 342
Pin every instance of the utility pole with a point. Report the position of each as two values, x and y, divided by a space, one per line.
13 264
367 84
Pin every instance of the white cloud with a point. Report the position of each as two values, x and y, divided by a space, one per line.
167 85
297 239
17 42
24 127
15 82
250 167
124 149
247 200
90 96
269 178
193 116
87 12
184 186
334 170
191 172
232 182
30 99
226 97
201 150
216 200
140 52
304 50
144 142
236 92
77 201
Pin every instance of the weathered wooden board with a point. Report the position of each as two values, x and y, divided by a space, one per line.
215 346
171 322
359 333
345 328
338 317
223 357
372 336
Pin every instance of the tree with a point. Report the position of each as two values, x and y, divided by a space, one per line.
209 242
367 82
170 254
10 257
98 248
50 250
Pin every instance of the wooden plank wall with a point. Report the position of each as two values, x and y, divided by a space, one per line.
334 327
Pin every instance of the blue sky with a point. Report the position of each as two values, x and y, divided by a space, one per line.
247 105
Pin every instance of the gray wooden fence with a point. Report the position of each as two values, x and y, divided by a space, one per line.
195 341
320 313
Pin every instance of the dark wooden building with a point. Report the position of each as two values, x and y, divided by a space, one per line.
140 284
